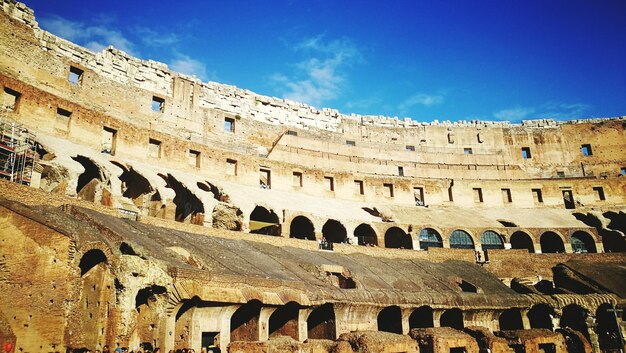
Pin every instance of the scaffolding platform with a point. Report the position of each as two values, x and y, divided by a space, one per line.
18 152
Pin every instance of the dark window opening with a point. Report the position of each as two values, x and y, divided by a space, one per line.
478 194
210 338
418 196
599 191
540 316
526 153
265 178
333 231
231 167
551 243
388 190
537 195
350 143
521 240
109 140
410 148
297 179
75 76
90 260
586 149
396 238
358 185
154 148
158 104
506 196
560 174
229 125
452 318
292 133
302 228
343 282
575 317
330 183
147 295
64 113
10 99
421 317
366 235
467 151
401 171
467 287
193 158
568 199
390 320
511 319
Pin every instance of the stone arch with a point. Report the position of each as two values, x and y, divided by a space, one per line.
321 322
551 242
582 242
540 316
188 205
390 319
521 240
460 239
430 238
511 319
452 318
366 235
334 231
134 185
92 171
91 259
575 317
421 317
264 221
244 323
613 241
491 240
284 321
147 294
396 238
302 228
607 329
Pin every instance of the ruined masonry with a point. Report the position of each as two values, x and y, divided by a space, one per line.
143 208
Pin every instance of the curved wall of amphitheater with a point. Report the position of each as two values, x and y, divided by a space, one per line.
200 165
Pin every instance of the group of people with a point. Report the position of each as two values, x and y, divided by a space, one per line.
146 349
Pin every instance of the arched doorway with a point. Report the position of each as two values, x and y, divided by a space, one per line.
430 238
284 321
452 318
575 318
491 240
582 242
511 319
321 323
396 238
334 232
460 239
421 317
613 241
551 243
390 320
540 316
90 260
366 235
607 329
244 324
264 221
521 240
302 228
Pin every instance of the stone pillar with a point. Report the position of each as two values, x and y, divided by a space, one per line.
303 327
166 332
437 317
525 319
593 336
264 322
406 314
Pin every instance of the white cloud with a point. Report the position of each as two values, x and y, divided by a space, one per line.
187 65
513 114
153 38
320 77
94 37
426 100
548 110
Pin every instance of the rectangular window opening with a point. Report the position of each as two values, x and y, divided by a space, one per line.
265 178
568 199
158 104
537 195
478 194
418 194
229 125
75 76
599 191
560 174
330 183
194 158
526 153
400 171
10 99
586 149
358 187
297 179
506 196
388 190
410 148
109 140
154 148
467 151
63 119
231 167
623 171
350 143
292 133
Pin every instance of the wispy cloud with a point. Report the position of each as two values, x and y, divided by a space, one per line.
422 99
548 110
187 65
152 38
320 77
95 37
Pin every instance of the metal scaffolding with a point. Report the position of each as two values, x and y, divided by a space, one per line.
18 151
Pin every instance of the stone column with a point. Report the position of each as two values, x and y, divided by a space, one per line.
264 322
303 327
593 336
406 314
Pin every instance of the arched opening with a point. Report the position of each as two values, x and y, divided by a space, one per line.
188 205
90 260
396 238
321 323
613 241
460 239
244 324
284 321
511 319
264 221
302 228
334 232
607 329
551 243
147 295
366 235
92 171
421 317
491 240
521 240
430 238
540 316
575 318
452 318
134 185
582 242
390 320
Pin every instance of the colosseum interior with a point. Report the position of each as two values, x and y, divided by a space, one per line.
143 208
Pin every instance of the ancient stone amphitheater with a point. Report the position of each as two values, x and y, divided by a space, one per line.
145 208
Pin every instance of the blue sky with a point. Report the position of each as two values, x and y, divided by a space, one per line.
444 60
